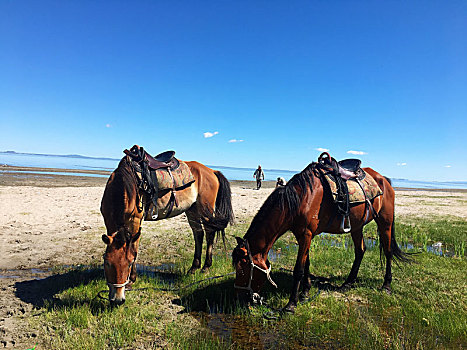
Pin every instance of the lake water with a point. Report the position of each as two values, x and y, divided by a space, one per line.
49 161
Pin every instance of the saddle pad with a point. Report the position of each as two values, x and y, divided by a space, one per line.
356 195
182 177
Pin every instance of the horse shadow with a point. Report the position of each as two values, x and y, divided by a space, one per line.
221 298
43 293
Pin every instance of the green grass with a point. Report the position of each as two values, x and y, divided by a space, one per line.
427 310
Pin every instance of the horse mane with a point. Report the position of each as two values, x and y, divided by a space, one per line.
285 199
123 182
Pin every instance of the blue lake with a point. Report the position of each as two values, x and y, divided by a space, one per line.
49 161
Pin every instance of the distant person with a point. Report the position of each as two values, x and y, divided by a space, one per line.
258 174
280 182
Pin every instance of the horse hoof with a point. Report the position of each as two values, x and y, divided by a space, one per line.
192 270
289 309
205 270
386 289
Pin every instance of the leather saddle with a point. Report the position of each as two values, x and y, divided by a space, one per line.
349 168
162 160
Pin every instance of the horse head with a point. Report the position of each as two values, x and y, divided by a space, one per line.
119 258
251 272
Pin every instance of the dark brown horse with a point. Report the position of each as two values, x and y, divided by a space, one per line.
306 208
206 202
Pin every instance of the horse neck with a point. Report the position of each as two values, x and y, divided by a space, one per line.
274 219
262 234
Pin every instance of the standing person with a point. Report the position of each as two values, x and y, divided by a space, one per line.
280 182
258 174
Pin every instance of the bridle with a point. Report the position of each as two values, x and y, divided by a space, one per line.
255 296
119 285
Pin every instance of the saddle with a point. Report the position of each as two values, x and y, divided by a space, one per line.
162 160
155 174
349 168
348 184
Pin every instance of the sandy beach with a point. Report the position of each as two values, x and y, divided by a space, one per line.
50 220
54 220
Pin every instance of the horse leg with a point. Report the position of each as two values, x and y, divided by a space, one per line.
198 233
133 273
360 248
210 235
306 281
299 270
385 237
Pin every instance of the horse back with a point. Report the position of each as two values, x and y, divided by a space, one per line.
382 181
386 207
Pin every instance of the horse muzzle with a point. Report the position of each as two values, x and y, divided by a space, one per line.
249 298
117 302
116 295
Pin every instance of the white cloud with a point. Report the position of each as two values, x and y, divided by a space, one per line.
447 166
208 134
401 164
235 140
108 125
357 152
321 149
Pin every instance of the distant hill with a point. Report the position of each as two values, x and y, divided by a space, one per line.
58 155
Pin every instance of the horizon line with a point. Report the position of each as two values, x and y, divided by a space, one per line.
79 156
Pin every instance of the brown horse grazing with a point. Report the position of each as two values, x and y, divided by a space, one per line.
306 208
206 202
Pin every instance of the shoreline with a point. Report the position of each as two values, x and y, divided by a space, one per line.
22 176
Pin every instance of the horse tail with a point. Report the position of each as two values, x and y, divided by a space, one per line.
223 212
388 180
395 250
224 199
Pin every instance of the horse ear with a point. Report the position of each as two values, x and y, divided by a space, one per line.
106 239
239 240
136 236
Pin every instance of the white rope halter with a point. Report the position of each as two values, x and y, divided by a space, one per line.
266 271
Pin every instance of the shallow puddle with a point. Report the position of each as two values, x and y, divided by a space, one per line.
235 329
326 239
37 274
18 273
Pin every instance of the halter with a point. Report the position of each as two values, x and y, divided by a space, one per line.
119 285
253 266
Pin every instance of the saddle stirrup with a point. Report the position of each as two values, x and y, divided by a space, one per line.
345 224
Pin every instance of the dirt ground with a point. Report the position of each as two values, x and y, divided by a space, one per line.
52 220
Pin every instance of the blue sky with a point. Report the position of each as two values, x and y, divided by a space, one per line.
387 79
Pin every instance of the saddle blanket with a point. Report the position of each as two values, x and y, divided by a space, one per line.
182 176
356 195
